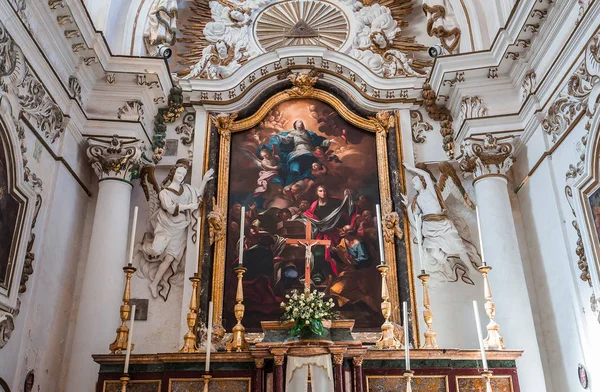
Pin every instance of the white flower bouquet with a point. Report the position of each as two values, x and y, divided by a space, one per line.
307 310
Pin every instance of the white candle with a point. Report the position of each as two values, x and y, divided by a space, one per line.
132 235
479 336
419 239
406 340
480 234
208 337
380 234
242 224
197 248
128 353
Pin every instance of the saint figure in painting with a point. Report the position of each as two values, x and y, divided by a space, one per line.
328 215
354 283
296 152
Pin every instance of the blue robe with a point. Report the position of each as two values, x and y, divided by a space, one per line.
295 161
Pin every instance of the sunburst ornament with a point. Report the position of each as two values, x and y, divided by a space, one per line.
301 22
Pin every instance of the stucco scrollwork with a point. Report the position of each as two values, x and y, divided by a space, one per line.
580 94
419 127
442 24
161 26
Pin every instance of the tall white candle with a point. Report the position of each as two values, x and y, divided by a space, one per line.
197 248
132 235
128 352
419 240
380 234
406 340
208 337
480 336
242 224
480 234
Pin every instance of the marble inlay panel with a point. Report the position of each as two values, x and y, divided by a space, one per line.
215 385
133 386
398 383
477 384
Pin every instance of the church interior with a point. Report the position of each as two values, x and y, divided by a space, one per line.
299 195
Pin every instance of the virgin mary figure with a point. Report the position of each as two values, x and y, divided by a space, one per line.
296 152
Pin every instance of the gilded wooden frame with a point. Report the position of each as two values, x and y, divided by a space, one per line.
380 124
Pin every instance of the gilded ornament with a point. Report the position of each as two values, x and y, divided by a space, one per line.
303 83
216 223
391 227
441 114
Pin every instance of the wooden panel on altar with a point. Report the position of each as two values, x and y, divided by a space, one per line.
476 384
133 386
215 385
398 383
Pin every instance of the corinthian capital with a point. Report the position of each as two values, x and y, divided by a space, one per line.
113 157
488 155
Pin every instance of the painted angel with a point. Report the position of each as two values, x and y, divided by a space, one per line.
172 209
445 252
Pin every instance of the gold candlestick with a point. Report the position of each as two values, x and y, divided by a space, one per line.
387 339
493 341
409 374
189 340
427 314
487 376
206 378
120 343
124 381
238 338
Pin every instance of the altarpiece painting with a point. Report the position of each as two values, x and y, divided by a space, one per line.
306 169
9 211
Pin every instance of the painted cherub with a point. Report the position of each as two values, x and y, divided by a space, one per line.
270 169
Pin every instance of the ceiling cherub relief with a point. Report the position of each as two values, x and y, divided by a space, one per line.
218 37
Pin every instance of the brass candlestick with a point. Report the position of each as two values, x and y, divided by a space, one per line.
120 343
189 340
124 381
409 374
493 341
487 376
387 339
238 338
206 378
427 314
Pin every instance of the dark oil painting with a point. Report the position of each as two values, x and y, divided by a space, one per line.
304 165
9 210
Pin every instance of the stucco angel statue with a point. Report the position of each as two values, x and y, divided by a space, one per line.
445 252
173 207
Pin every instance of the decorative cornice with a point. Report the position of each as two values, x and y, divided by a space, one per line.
487 156
114 158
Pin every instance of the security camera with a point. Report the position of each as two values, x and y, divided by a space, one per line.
436 51
164 51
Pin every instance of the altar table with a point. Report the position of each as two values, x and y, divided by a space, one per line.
355 369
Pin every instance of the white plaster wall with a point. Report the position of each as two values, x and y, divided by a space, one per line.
551 275
38 341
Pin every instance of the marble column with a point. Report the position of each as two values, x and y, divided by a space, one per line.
338 372
358 374
103 279
278 380
259 375
488 159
